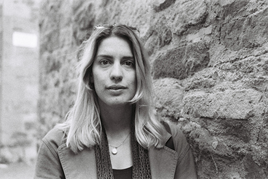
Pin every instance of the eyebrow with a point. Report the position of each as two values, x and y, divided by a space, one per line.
128 58
109 56
106 56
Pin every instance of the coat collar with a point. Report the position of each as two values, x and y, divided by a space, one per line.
83 165
79 166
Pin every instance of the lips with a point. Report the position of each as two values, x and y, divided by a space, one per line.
116 87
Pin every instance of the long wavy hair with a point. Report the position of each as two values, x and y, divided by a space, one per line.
83 125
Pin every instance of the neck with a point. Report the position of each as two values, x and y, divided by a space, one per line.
116 120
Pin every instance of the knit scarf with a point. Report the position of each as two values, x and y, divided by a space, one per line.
141 164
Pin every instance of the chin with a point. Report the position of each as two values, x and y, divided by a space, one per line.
119 103
116 101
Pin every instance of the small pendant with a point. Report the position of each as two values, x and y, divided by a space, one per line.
114 151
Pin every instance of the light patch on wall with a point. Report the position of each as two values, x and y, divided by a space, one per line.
22 39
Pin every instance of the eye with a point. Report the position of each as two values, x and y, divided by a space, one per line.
129 63
104 62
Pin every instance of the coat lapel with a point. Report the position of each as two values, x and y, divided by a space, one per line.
78 166
163 162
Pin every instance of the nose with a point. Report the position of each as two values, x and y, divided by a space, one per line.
116 72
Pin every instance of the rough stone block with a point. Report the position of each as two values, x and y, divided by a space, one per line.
226 105
181 62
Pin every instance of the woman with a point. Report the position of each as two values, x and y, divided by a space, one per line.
112 130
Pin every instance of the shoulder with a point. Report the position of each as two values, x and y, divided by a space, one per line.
180 143
48 164
186 164
55 137
176 132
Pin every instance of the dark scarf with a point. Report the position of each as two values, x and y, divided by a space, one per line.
141 164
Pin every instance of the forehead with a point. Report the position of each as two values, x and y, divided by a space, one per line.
114 46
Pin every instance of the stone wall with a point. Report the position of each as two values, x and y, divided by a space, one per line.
210 68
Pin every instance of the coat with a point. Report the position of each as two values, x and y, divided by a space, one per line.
55 160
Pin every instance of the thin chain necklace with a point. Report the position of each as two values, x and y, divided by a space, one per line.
114 150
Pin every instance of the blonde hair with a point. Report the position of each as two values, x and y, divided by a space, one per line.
83 124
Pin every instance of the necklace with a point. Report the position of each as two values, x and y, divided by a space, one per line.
114 150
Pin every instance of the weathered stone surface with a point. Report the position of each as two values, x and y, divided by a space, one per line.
168 96
181 62
228 104
241 28
84 18
163 5
210 69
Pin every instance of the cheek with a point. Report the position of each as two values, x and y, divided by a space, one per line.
98 87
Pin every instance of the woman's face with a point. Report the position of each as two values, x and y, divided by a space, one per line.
113 72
